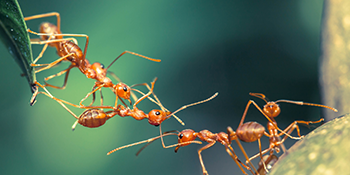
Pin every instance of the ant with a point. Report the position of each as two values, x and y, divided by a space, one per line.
69 51
270 111
93 117
96 117
188 136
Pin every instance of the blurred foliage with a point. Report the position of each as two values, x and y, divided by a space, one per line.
322 151
233 47
13 33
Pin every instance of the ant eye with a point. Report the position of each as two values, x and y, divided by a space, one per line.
180 136
102 66
157 113
125 89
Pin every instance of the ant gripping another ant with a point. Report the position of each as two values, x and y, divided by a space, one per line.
93 117
69 51
270 111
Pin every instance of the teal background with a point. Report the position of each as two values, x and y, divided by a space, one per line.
230 47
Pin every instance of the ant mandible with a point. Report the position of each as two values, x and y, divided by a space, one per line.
51 35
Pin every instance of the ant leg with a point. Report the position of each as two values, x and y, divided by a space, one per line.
47 42
40 42
232 134
42 51
101 100
158 101
51 96
59 74
258 155
46 15
235 158
269 162
75 125
74 105
35 91
75 35
261 157
148 94
93 95
99 87
200 156
51 64
294 125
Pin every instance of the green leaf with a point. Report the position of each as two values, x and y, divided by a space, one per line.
13 33
323 151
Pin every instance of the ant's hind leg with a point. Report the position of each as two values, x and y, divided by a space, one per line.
59 74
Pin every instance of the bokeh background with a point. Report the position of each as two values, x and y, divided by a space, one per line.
230 47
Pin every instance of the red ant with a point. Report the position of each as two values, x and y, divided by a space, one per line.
270 111
188 136
69 51
95 117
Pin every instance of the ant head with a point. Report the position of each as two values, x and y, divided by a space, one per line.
272 109
122 90
186 135
156 117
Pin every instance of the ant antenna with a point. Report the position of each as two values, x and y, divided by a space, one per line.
133 53
172 131
193 104
309 104
259 95
151 140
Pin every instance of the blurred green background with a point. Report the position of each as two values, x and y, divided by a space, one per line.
230 47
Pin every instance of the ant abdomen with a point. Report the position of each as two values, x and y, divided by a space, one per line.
68 47
250 131
93 118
